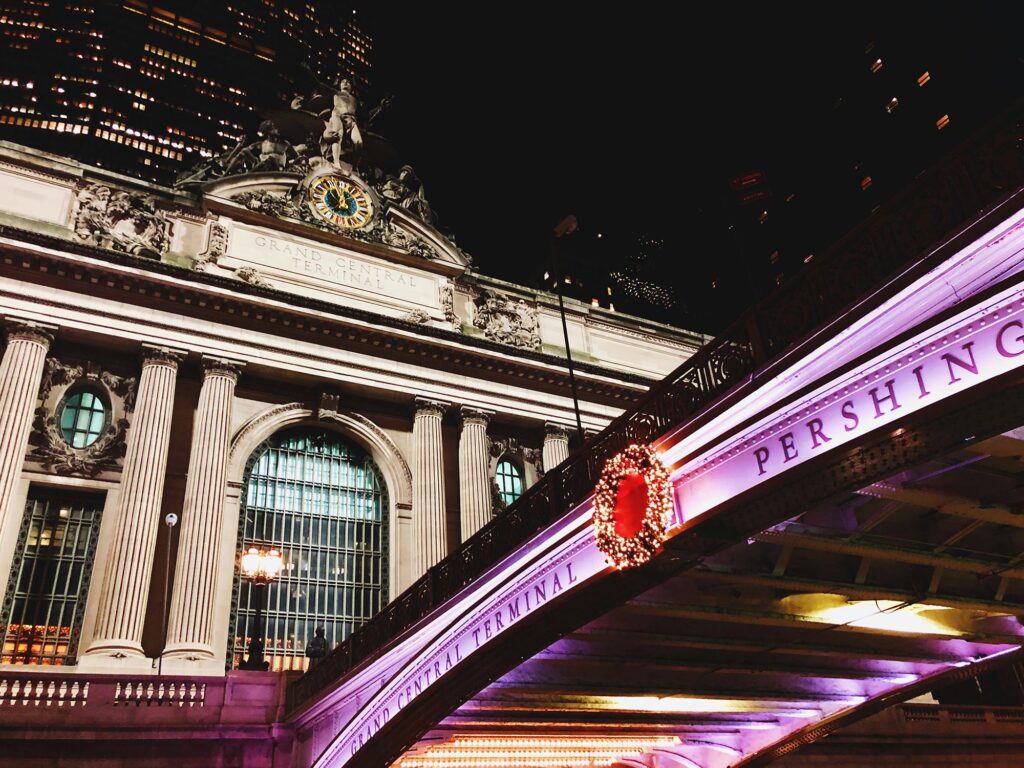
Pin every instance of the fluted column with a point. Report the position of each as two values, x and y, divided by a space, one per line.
428 484
122 609
21 371
190 624
474 479
556 446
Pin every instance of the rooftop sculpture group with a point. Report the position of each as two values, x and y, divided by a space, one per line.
323 128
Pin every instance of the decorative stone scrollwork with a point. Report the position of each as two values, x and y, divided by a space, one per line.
50 448
533 456
252 276
330 405
270 152
121 220
55 374
417 316
269 203
448 306
386 233
216 247
511 446
507 320
497 500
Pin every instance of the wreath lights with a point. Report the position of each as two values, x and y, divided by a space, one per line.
632 506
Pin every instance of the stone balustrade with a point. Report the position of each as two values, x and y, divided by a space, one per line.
37 699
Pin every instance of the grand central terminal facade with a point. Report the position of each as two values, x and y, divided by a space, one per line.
273 359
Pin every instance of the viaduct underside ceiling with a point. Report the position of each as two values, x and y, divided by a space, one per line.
872 593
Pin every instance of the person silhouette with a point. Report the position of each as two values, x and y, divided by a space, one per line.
316 648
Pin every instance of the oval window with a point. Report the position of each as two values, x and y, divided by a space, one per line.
510 481
83 418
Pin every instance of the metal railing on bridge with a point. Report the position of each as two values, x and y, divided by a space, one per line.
901 234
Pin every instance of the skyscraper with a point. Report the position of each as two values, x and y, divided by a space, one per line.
151 88
881 109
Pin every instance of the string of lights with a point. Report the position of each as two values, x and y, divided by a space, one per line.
636 464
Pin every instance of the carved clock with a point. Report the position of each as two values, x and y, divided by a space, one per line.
340 202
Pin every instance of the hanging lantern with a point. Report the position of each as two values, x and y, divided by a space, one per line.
632 506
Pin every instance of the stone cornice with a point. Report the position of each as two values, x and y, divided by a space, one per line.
148 280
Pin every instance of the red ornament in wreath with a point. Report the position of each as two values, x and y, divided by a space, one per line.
632 506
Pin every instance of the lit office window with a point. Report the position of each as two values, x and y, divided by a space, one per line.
42 612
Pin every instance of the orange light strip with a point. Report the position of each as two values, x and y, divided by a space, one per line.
551 752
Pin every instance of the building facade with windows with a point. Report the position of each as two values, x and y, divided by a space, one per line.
152 88
282 360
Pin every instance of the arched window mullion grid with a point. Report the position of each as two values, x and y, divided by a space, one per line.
320 494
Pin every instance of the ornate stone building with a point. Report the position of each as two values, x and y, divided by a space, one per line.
283 353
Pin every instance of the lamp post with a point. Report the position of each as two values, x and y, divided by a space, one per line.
259 568
566 226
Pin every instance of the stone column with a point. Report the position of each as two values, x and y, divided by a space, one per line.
428 485
122 608
21 371
556 446
190 623
474 478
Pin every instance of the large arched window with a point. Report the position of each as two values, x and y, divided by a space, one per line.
321 501
509 479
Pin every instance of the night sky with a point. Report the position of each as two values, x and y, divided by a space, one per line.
634 117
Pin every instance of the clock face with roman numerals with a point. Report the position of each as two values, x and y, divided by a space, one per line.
340 202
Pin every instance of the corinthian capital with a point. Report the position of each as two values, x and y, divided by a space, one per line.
555 431
218 366
425 407
154 355
27 330
474 416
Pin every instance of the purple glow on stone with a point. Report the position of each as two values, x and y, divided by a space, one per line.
461 626
960 354
994 256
